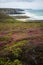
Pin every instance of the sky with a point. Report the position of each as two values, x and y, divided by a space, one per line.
29 4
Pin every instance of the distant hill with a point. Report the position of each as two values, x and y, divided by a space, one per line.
11 11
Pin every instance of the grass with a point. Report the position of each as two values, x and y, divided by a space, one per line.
20 26
4 38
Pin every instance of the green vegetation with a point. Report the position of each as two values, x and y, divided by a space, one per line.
22 55
16 44
4 38
16 62
12 55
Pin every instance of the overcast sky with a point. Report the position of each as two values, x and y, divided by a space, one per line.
31 4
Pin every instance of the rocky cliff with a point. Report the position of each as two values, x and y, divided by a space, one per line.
11 11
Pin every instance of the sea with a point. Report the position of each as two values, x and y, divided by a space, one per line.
34 14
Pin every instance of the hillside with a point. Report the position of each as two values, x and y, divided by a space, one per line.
6 18
21 43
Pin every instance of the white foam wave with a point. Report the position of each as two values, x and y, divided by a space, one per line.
33 16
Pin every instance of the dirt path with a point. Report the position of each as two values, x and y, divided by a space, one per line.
35 36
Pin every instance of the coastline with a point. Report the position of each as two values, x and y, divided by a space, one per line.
26 16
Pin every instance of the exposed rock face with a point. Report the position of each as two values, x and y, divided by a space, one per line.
11 11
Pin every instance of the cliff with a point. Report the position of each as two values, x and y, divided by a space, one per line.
11 11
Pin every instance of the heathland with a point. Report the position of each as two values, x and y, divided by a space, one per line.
21 43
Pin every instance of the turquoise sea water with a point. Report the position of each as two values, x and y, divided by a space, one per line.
35 14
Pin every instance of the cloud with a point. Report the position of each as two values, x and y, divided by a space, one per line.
37 4
3 1
38 0
33 4
16 1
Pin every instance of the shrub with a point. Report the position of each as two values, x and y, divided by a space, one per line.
17 62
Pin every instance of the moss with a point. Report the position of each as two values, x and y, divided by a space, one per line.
4 38
10 33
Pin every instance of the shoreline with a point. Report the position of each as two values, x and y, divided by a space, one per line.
24 17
